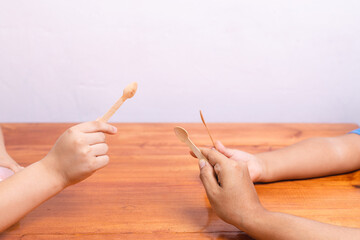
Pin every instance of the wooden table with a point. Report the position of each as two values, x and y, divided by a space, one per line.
151 188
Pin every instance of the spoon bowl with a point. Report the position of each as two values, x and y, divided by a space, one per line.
181 134
130 90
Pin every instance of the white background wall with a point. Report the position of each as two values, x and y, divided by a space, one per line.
238 61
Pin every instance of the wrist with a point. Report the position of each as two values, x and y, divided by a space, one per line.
252 219
58 179
264 175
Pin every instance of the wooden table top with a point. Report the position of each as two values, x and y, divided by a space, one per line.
151 187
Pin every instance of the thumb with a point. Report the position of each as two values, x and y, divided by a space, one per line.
208 177
228 152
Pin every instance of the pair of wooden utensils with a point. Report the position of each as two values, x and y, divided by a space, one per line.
180 132
183 136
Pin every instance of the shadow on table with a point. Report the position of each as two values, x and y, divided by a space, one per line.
231 236
213 227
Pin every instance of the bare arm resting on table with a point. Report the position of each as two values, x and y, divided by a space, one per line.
78 153
315 157
235 201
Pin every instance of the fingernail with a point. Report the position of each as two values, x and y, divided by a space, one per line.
114 129
202 163
212 148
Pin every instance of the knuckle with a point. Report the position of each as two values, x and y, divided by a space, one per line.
214 192
70 130
238 166
85 151
96 124
78 141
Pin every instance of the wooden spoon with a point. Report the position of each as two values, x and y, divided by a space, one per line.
128 92
203 120
183 136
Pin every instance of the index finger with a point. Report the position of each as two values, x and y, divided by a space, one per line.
96 126
213 156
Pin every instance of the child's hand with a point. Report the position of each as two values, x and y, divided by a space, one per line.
254 164
229 187
79 152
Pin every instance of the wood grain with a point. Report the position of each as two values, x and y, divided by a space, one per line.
151 188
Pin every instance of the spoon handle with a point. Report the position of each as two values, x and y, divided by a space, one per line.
112 110
195 150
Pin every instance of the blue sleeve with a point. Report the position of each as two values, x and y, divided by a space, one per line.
357 131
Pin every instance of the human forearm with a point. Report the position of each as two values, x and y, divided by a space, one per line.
273 225
25 191
312 158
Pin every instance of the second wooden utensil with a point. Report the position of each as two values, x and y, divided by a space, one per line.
203 120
